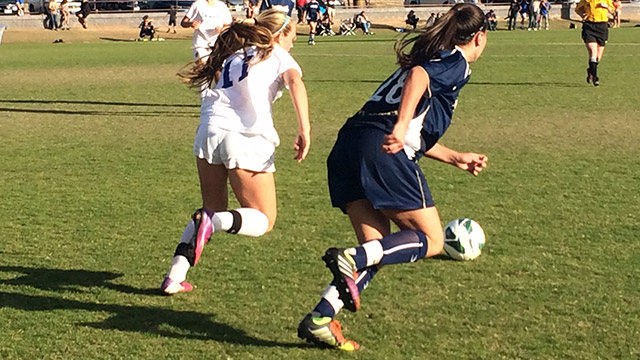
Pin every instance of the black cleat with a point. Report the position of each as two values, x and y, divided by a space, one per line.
345 273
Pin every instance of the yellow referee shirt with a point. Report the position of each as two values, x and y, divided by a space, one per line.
594 10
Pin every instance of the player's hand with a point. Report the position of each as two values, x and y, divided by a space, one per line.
394 142
301 146
196 24
471 162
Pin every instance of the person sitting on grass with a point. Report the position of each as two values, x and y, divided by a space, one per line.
146 28
492 19
362 22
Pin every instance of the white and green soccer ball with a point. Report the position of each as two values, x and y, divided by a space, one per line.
463 239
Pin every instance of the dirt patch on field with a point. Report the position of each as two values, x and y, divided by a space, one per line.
92 34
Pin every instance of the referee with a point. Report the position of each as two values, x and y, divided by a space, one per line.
595 32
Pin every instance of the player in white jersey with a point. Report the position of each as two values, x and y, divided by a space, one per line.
236 139
207 18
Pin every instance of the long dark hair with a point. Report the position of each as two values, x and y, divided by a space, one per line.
239 35
456 27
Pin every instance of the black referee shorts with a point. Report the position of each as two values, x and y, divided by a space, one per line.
595 32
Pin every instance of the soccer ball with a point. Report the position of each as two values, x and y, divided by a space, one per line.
463 239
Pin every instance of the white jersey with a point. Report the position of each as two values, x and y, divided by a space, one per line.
210 18
241 100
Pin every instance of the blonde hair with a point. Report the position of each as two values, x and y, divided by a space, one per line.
457 27
257 32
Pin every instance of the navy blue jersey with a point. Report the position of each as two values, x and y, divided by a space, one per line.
448 73
312 8
282 5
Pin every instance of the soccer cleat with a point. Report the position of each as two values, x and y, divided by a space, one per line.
170 287
201 234
596 81
325 332
345 274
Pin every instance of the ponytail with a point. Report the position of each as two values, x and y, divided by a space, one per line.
240 35
457 27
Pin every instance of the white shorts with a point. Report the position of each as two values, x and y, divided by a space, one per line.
234 150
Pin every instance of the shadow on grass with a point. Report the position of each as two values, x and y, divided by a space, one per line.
541 84
97 112
144 319
342 81
117 40
141 319
92 102
69 280
154 113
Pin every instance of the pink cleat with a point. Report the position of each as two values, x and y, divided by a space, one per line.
170 287
201 234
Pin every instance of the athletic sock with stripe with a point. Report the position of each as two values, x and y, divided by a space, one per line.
401 247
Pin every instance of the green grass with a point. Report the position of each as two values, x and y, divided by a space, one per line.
97 181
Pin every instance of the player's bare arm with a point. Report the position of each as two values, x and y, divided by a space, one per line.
415 85
298 93
474 163
187 23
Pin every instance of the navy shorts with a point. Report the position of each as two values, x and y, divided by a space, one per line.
358 169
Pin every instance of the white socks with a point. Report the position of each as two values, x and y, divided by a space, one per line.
244 221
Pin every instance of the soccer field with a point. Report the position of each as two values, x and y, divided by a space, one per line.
97 180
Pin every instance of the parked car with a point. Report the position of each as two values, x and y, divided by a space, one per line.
165 4
111 5
41 6
235 5
9 8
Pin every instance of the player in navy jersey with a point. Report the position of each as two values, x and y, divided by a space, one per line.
313 16
373 172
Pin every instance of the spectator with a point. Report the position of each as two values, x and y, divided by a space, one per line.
362 22
412 19
64 15
492 20
617 11
514 8
146 28
85 10
545 6
207 18
252 5
301 9
53 14
331 12
431 20
524 11
534 11
173 15
20 6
